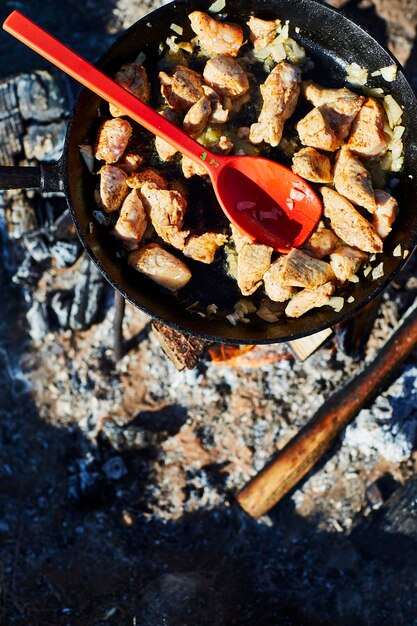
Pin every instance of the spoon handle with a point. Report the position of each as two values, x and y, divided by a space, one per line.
85 73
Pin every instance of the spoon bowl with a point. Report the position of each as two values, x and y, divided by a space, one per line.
264 199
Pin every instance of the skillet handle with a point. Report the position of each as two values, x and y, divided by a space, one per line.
44 176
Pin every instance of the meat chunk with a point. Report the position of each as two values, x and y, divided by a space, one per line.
367 137
299 269
312 165
385 214
239 238
112 139
280 94
253 260
274 288
130 162
226 77
218 115
113 187
262 32
183 89
342 100
160 266
165 151
346 261
321 243
348 223
134 78
203 248
353 181
223 146
315 130
148 175
132 222
189 168
308 299
197 117
214 36
166 209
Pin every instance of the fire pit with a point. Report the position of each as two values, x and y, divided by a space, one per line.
118 479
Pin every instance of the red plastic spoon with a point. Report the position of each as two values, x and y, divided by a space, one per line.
262 198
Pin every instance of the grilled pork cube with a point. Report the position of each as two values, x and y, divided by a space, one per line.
262 32
165 151
148 175
132 222
189 168
312 165
112 139
315 130
197 117
321 243
183 89
353 181
308 299
385 214
226 77
219 115
130 162
239 238
216 37
274 288
166 209
203 248
134 78
253 260
160 266
346 261
342 100
367 137
280 94
299 269
113 187
348 223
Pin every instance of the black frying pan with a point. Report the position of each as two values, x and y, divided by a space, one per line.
332 41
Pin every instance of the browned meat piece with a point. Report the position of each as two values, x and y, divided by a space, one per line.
239 238
280 94
189 168
203 248
148 175
216 37
226 77
312 165
353 181
183 89
385 214
197 117
134 78
315 130
308 299
112 139
262 32
348 223
346 261
160 266
219 115
113 187
274 288
367 137
343 100
253 261
130 162
132 222
299 269
166 209
165 151
321 243
224 145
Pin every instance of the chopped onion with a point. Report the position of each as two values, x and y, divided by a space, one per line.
243 206
378 271
171 43
217 6
337 303
267 315
376 73
353 278
278 52
356 75
212 309
88 156
294 52
377 92
297 195
389 73
397 165
246 306
399 132
297 29
393 110
177 29
397 250
367 270
232 319
350 299
406 253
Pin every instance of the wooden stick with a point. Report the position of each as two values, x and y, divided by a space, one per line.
119 313
293 462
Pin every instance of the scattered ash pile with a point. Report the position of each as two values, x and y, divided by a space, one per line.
117 481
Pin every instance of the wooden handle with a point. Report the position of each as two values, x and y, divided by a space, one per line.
293 462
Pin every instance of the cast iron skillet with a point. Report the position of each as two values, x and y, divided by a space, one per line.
332 41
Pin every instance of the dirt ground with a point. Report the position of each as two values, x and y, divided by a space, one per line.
117 482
